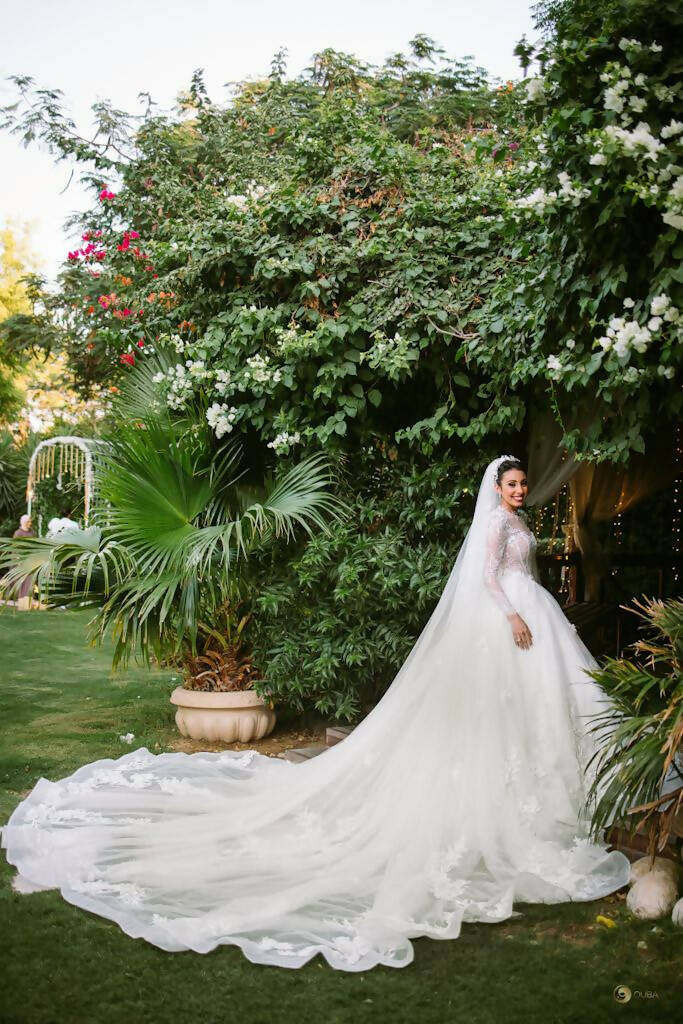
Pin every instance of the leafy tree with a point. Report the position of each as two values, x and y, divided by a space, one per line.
16 259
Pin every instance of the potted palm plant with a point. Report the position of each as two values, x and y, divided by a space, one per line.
217 700
166 561
639 771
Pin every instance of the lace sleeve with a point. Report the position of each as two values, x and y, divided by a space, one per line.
495 546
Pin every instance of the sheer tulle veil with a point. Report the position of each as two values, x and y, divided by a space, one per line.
464 591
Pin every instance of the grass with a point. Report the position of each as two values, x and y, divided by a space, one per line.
60 707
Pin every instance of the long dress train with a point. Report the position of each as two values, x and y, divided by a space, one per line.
459 795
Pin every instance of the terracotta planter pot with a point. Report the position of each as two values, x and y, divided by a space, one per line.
222 716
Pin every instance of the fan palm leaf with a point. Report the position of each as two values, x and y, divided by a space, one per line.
646 727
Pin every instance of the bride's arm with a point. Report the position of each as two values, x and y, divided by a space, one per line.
495 546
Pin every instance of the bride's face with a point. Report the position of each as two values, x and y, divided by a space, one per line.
513 488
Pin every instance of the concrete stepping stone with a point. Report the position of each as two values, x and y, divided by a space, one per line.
303 753
337 733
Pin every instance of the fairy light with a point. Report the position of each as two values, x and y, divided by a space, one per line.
676 512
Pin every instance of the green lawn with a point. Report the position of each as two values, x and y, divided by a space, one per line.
61 707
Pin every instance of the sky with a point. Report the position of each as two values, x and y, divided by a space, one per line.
93 52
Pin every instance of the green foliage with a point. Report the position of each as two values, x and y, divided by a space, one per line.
334 623
405 259
363 250
593 228
13 473
646 744
173 533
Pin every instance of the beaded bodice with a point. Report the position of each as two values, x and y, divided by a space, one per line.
510 547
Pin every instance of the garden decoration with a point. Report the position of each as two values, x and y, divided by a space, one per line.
61 456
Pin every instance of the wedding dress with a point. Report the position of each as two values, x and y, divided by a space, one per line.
460 793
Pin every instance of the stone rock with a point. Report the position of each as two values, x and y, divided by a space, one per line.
652 896
677 914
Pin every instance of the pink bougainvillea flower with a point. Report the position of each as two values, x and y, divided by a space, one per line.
97 234
86 236
127 357
133 234
100 254
126 312
106 194
513 146
73 256
140 343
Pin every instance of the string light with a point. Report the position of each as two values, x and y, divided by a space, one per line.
676 512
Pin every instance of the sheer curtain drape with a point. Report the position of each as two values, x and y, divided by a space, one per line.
599 491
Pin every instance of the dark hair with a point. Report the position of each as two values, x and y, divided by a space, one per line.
508 464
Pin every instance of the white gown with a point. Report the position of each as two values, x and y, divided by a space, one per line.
460 794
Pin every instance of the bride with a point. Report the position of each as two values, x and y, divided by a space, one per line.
460 794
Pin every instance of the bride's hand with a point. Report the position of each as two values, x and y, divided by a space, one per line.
521 632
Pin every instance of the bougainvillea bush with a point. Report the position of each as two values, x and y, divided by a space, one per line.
400 264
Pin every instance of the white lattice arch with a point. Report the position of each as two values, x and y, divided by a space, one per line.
61 455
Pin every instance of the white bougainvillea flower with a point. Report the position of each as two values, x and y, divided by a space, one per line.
674 220
660 304
535 90
612 100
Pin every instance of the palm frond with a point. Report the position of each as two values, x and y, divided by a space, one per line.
644 726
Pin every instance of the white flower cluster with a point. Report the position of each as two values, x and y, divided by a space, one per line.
259 371
221 418
635 46
282 443
535 90
392 355
623 336
639 141
627 94
657 178
197 369
178 343
223 379
573 193
179 384
292 341
539 201
254 192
